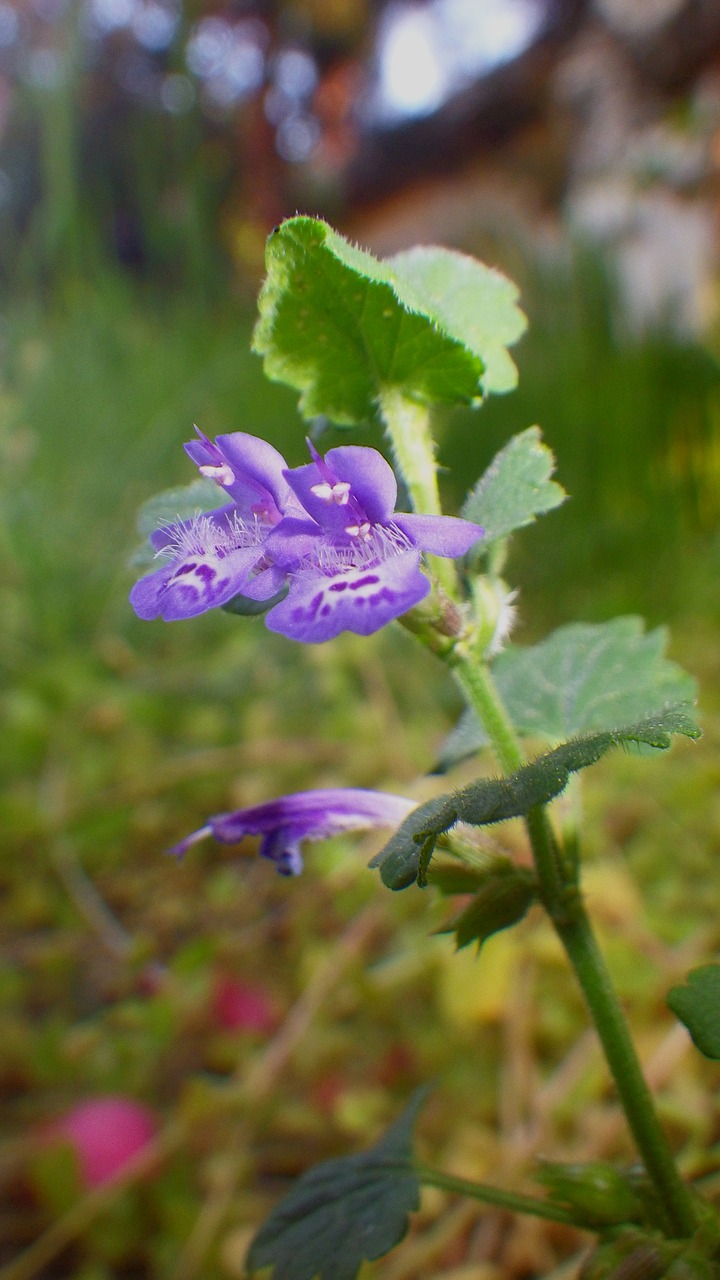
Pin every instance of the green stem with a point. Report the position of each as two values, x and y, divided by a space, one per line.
561 898
577 937
495 1195
407 426
479 688
407 423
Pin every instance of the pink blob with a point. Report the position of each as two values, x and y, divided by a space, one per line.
240 1006
105 1133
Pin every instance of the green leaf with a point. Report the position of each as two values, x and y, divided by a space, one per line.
503 900
343 1211
474 303
697 1005
515 488
405 857
181 503
340 326
583 676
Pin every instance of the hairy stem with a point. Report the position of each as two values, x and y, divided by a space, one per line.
407 426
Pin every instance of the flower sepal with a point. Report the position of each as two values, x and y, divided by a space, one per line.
247 607
438 622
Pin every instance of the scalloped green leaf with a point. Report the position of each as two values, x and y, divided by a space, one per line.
471 301
341 326
343 1211
516 488
697 1005
583 676
404 859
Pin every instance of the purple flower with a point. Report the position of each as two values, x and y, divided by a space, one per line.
327 529
307 815
353 562
214 557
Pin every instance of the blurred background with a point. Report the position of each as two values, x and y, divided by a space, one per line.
147 148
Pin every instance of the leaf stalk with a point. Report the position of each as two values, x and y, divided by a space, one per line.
407 426
502 1199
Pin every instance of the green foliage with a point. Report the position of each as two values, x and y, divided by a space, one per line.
516 488
344 1211
582 677
406 855
341 326
697 1005
474 303
503 899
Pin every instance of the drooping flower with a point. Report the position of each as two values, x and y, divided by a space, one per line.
353 562
213 557
305 815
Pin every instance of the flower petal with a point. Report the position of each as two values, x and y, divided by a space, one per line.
258 465
292 541
440 535
316 815
191 586
318 607
258 487
282 846
321 487
372 479
265 584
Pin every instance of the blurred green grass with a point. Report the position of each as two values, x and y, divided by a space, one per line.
120 736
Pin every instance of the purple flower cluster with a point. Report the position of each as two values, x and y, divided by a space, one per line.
327 532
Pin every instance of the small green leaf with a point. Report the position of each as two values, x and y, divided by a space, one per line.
582 677
341 326
697 1005
515 488
344 1211
502 901
405 857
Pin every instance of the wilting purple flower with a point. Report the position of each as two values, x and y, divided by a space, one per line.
219 555
307 815
353 562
